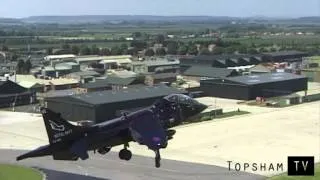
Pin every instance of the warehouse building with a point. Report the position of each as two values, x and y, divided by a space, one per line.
220 61
284 56
196 73
12 94
251 87
105 105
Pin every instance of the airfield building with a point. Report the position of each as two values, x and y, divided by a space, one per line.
105 105
12 94
253 86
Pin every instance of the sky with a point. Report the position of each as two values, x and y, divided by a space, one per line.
235 8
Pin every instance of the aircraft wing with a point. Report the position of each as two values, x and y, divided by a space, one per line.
147 130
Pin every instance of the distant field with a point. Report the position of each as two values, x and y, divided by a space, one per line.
303 40
58 45
11 172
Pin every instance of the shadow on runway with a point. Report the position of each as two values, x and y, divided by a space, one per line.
60 175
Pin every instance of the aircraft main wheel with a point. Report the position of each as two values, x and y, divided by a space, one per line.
125 154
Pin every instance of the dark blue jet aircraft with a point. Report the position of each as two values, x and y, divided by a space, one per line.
149 126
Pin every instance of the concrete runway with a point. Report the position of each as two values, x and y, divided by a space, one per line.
109 167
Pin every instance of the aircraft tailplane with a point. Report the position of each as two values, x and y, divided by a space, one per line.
58 129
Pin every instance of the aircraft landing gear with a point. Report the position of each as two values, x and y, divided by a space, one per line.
125 154
157 158
104 150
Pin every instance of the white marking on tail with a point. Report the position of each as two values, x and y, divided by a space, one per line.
56 127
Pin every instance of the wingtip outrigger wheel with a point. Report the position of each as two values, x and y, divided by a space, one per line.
157 158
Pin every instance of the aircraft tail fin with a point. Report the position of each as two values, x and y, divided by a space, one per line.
58 129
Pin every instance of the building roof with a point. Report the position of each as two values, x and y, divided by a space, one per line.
32 79
96 84
60 56
85 73
62 67
109 81
118 61
124 73
204 71
285 53
114 80
49 68
106 97
60 93
10 87
101 58
85 59
157 62
163 75
265 78
261 68
28 84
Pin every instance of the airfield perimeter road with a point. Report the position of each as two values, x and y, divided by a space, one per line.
110 167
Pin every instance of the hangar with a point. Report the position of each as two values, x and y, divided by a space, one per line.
250 87
12 93
284 56
103 105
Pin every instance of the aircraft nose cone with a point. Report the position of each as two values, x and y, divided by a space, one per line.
201 107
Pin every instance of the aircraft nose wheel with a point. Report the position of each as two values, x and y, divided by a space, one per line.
125 154
157 159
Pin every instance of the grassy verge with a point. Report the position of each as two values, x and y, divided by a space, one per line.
285 177
13 172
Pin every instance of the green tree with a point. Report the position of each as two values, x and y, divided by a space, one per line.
27 66
75 49
116 50
160 39
263 50
252 51
136 34
66 48
4 48
253 45
85 50
138 44
49 51
149 52
204 51
230 50
161 52
172 48
242 50
132 51
218 50
273 49
105 52
20 66
183 50
124 48
193 50
95 50
14 57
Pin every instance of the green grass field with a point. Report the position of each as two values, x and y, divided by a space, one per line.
285 177
12 172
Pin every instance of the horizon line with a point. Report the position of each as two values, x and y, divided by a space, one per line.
79 15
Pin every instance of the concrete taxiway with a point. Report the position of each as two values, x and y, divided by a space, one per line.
268 135
138 168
